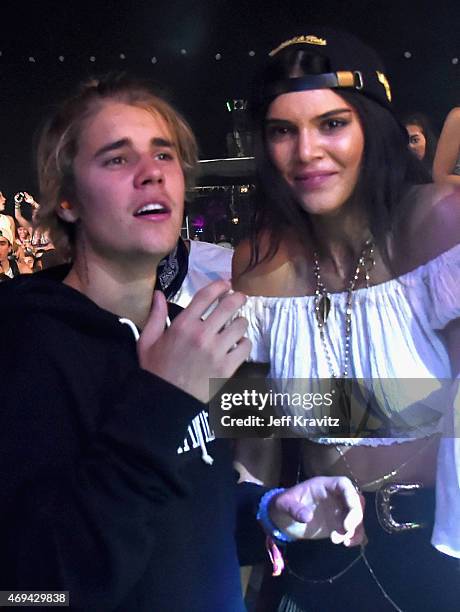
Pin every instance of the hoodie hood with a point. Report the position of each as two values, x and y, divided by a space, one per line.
45 293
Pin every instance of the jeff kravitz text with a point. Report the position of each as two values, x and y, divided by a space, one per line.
287 421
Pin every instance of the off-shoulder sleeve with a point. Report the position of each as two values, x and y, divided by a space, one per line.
443 279
257 315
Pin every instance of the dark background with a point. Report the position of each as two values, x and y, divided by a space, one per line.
200 84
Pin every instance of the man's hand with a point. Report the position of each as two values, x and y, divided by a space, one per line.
322 507
197 346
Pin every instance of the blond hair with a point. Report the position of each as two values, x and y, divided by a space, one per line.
58 146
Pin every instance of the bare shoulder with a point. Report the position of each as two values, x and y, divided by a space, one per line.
273 276
432 223
453 117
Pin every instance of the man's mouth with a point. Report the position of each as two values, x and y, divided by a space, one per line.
152 209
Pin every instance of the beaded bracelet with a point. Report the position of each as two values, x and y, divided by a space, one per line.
264 518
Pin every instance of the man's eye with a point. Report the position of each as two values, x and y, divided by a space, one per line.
115 161
164 156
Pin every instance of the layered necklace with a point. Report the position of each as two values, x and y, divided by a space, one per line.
322 305
322 302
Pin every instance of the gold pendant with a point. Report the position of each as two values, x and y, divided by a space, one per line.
324 305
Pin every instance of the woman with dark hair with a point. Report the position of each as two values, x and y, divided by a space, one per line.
422 138
446 167
354 264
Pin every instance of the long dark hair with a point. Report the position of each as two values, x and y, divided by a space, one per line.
388 167
431 138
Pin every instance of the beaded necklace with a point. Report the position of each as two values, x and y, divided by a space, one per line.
322 302
322 305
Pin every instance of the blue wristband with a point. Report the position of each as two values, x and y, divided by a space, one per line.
264 518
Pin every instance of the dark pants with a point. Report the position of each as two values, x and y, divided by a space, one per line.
412 573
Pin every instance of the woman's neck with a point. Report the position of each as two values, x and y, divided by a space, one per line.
339 240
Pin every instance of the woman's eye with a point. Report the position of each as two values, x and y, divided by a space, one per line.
278 131
333 124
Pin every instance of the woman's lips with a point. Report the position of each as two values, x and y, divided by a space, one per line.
313 180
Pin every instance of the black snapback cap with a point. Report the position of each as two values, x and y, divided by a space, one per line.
352 66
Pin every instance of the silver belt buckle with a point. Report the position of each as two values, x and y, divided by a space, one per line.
383 507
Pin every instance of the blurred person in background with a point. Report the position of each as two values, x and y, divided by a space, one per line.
422 138
446 166
6 221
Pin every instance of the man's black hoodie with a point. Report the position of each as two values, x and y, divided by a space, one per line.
112 485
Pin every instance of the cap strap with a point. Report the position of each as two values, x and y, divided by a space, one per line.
345 78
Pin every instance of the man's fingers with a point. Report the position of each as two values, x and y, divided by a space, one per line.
352 520
233 333
203 299
237 356
156 322
224 311
298 511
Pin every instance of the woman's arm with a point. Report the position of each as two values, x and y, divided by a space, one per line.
448 150
23 222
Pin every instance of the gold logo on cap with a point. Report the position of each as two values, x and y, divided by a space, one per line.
383 79
299 40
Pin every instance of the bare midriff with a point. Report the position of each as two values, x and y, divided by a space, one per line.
369 464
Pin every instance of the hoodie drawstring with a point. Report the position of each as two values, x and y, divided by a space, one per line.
132 326
205 456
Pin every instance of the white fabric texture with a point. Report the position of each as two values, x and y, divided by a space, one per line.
206 263
446 532
395 335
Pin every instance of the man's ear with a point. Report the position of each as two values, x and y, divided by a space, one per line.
67 212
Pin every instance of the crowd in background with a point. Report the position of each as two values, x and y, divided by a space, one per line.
24 247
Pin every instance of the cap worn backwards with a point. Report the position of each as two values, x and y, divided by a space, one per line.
352 65
5 232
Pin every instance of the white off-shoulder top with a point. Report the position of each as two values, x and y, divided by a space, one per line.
395 334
